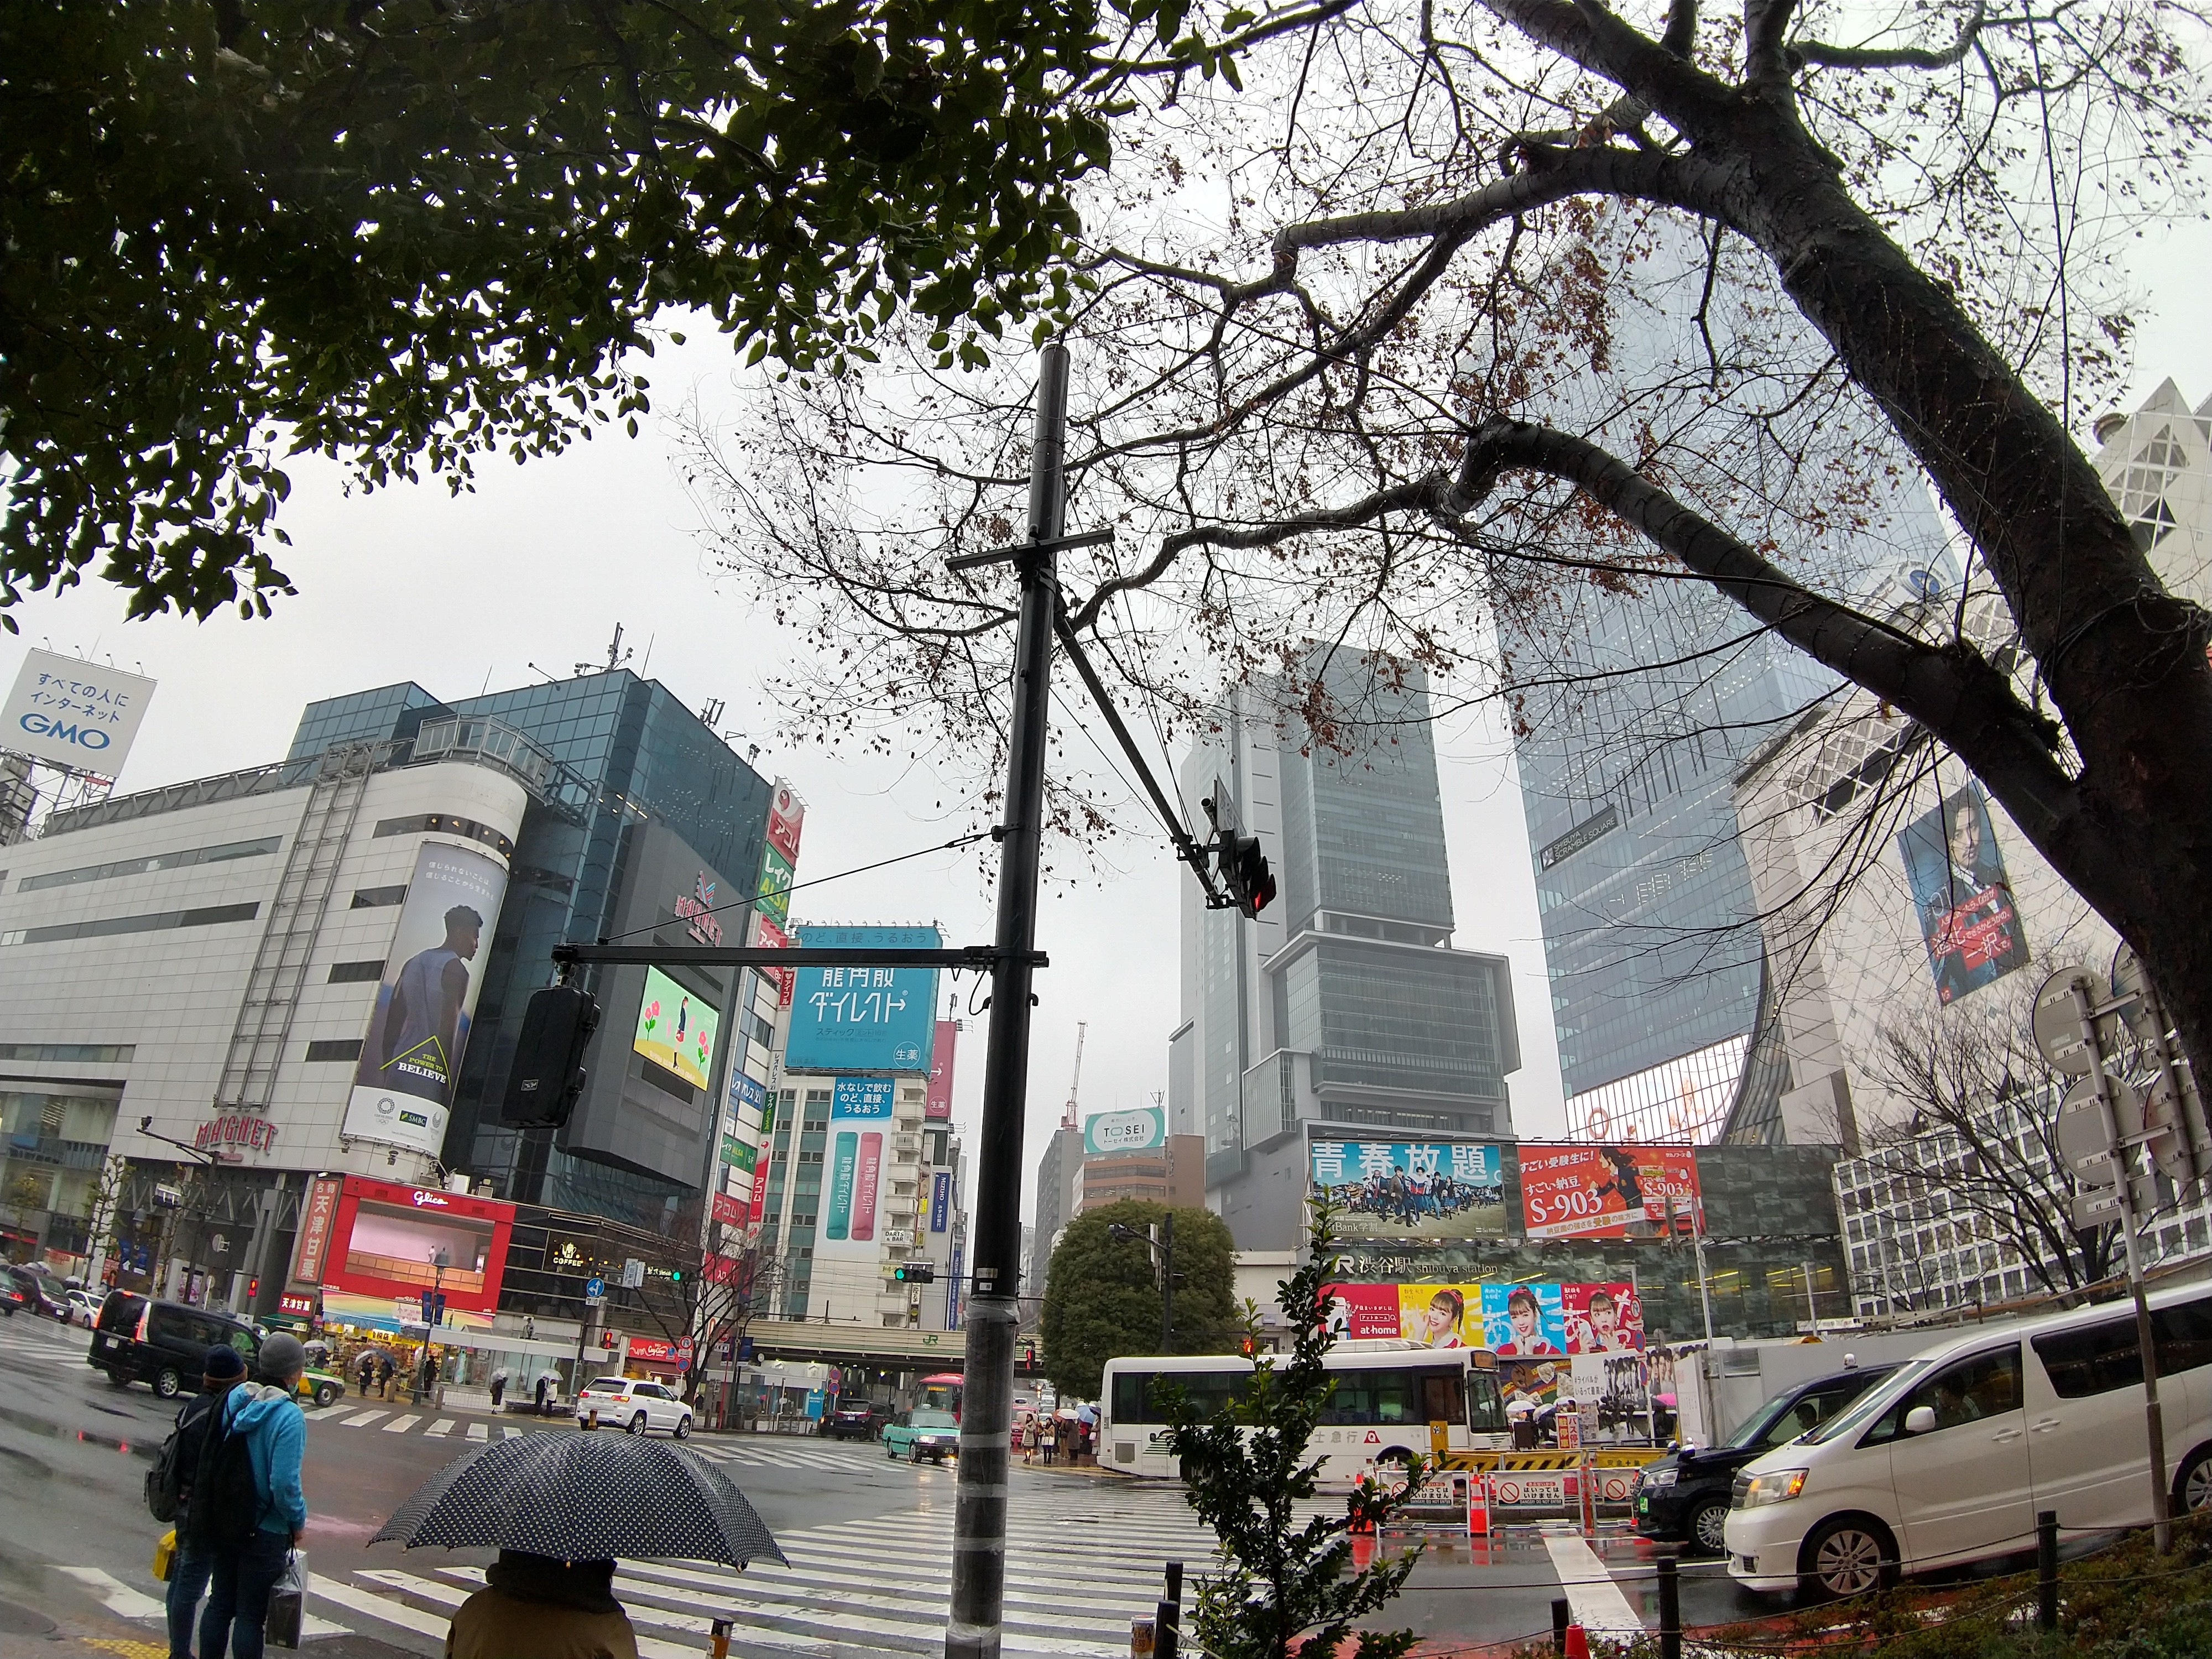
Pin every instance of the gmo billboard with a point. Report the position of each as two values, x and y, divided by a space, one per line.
863 1019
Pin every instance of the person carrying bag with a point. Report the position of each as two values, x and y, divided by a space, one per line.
248 1513
169 1486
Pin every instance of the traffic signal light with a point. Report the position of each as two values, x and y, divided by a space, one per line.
915 1272
547 1078
1244 871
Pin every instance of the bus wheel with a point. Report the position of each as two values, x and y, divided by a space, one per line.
1400 1458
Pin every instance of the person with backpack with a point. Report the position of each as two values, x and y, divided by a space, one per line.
169 1490
248 1512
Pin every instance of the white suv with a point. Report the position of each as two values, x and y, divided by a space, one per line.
637 1406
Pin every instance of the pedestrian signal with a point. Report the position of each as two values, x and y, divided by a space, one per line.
547 1078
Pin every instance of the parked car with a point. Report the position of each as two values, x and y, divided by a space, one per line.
84 1308
41 1295
638 1405
922 1432
1948 1458
1684 1497
12 1295
163 1344
856 1418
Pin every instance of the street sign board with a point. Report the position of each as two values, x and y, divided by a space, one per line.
633 1274
2131 985
2057 1022
595 1286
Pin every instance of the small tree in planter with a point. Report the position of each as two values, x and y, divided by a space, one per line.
1285 1587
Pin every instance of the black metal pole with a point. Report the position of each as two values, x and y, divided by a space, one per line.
1167 1283
978 1516
1560 1614
2046 1570
1670 1608
1167 1616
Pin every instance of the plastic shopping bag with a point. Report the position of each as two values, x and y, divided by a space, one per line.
165 1555
288 1602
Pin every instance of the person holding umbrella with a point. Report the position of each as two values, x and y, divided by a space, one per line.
538 1607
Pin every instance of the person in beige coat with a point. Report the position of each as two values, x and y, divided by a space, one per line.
536 1607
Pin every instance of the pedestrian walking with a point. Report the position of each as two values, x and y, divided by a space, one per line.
1066 1441
365 1373
545 1609
545 1391
1029 1440
384 1373
248 1511
498 1387
1048 1439
188 1572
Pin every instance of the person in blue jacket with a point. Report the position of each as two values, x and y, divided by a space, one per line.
248 1559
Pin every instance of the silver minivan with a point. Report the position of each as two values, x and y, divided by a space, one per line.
1949 1460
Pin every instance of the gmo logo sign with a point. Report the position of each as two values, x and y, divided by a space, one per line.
91 739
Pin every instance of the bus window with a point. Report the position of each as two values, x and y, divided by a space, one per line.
1131 1401
1444 1396
1485 1407
1365 1397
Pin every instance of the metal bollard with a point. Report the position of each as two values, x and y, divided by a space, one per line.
1670 1607
2046 1570
722 1646
1560 1613
1168 1616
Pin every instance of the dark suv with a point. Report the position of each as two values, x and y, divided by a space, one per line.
1685 1495
856 1418
41 1295
163 1344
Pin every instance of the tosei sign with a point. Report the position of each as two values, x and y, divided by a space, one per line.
77 714
1109 1134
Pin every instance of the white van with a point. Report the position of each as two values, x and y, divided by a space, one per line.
1949 1460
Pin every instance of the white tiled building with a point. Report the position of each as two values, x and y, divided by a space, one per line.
1842 964
204 959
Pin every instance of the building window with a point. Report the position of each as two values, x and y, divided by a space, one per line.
355 973
345 1049
444 823
375 898
210 916
109 1052
191 856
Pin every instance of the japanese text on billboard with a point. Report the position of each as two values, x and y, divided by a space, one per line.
1401 1189
863 1019
1606 1192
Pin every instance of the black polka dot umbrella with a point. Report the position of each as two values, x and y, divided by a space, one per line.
584 1498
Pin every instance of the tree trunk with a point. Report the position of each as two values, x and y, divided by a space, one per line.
2124 661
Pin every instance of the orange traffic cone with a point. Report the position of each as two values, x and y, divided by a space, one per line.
1578 1643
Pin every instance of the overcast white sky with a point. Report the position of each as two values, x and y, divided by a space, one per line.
540 563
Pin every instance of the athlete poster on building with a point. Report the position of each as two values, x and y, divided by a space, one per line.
1606 1192
419 1026
1964 901
1411 1189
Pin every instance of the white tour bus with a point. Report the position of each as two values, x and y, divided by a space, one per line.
1388 1393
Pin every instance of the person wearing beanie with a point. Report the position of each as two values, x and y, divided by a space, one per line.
537 1607
224 1371
250 1542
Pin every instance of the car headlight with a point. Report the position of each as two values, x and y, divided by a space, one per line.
1659 1476
1774 1487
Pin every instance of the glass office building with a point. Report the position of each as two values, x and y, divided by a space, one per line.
621 753
1344 1003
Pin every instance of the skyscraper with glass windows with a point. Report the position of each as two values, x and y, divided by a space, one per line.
1343 1003
639 794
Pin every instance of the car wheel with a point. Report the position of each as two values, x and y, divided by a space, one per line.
913 1455
1849 1557
637 1423
1709 1529
167 1383
2192 1489
684 1426
326 1393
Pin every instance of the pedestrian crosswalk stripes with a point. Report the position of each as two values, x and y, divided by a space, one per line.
1082 1562
401 1424
363 1419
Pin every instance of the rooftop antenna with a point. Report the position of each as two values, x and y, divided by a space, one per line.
711 712
1067 1117
615 656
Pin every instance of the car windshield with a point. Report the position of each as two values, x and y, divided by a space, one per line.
1870 1404
930 1420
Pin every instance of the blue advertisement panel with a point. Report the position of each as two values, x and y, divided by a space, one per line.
863 1019
1411 1189
1524 1320
940 1202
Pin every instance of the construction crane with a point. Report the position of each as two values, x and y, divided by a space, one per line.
1067 1117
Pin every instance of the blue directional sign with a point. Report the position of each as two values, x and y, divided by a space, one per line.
595 1286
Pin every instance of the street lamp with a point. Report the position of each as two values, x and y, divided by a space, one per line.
432 1311
1160 1241
208 1160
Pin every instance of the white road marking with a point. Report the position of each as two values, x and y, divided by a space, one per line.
118 1596
365 1419
476 1432
1595 1600
401 1424
438 1430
